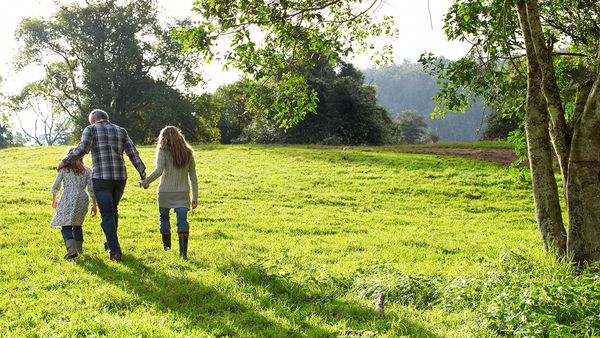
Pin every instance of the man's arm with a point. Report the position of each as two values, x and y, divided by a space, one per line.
82 148
134 156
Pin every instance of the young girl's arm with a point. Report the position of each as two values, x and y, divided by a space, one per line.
194 181
56 188
94 210
90 189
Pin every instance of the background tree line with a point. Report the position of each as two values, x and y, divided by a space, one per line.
118 56
347 113
409 88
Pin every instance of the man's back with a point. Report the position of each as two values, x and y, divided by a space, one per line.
107 142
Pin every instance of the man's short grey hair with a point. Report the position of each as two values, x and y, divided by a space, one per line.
98 115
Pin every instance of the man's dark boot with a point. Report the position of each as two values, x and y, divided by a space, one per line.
183 245
166 238
117 256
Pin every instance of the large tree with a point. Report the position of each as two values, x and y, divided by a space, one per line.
113 55
554 47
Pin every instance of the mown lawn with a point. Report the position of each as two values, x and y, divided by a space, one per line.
286 241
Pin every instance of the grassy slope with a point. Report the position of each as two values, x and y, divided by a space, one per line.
275 244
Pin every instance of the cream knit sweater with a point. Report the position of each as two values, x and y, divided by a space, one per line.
174 179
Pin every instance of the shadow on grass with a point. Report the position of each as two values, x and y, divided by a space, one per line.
312 312
306 303
202 307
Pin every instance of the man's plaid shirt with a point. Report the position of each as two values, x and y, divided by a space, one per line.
107 142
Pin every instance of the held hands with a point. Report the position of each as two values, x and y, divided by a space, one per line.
142 185
194 204
94 210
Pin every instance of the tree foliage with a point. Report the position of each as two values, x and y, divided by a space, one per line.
34 104
347 111
273 40
7 137
500 126
230 101
412 128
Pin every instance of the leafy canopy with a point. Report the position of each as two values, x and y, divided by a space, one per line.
272 40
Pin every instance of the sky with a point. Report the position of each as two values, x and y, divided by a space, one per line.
412 19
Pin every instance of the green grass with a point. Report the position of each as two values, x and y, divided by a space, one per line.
286 241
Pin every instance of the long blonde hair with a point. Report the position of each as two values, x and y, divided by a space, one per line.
172 140
76 166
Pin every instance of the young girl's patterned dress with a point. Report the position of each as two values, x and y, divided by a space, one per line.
73 204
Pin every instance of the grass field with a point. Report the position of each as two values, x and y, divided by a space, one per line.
286 241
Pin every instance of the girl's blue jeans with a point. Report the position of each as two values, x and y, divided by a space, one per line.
182 223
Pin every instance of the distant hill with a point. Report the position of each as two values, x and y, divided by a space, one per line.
406 86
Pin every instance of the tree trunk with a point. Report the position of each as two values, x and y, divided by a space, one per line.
579 153
545 190
558 126
583 183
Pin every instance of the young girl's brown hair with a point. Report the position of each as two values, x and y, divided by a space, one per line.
75 166
172 140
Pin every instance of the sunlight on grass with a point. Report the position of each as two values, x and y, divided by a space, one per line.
278 245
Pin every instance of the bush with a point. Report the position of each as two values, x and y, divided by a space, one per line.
530 299
516 296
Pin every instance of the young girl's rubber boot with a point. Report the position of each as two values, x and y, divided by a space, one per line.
79 247
71 250
166 239
183 244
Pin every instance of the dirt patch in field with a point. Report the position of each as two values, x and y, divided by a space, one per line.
501 156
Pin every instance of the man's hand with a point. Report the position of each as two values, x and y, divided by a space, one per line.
194 204
60 165
94 210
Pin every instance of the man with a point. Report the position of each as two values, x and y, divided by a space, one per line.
107 142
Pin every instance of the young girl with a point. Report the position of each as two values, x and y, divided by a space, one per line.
175 162
73 204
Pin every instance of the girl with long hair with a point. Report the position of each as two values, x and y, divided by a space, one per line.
72 207
176 166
